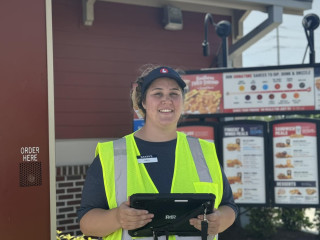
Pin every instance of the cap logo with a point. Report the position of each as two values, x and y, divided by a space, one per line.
164 70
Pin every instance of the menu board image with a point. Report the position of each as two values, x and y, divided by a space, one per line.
295 163
203 93
198 131
243 146
269 90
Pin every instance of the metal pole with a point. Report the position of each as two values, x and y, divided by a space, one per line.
311 48
225 51
278 47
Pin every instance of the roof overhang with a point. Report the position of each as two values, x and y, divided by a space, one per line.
225 7
237 9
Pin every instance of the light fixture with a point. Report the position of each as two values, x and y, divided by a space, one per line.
311 22
223 30
172 18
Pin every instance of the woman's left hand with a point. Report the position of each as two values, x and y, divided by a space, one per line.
214 222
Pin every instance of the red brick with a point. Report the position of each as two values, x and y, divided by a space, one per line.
62 197
72 190
63 222
66 209
60 204
65 184
73 227
60 191
59 178
76 202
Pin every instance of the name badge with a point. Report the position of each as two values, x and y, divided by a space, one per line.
147 159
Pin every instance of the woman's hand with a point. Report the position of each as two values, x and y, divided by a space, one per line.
214 222
218 221
131 218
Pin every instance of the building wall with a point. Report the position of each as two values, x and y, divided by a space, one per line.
95 66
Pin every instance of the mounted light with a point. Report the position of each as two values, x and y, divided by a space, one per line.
223 30
311 22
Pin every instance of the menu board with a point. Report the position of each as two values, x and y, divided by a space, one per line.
198 131
243 146
295 163
273 90
253 90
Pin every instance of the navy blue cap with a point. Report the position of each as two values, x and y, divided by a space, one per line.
161 72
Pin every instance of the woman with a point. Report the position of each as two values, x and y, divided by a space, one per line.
123 167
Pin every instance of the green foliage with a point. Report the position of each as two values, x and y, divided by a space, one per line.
294 219
263 222
61 236
317 218
262 118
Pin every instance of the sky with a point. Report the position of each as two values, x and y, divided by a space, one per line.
292 41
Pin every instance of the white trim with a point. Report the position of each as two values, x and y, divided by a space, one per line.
80 151
51 123
224 7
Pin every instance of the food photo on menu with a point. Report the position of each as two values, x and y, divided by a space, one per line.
203 93
202 101
235 179
234 163
237 194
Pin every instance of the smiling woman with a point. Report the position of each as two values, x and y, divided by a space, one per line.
155 159
161 99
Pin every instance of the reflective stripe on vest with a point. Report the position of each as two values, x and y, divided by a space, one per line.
200 162
120 166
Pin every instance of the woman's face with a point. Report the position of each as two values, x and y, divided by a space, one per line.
164 103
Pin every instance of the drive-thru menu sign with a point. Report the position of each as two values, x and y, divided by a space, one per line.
243 144
292 88
295 162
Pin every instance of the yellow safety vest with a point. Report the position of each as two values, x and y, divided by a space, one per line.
197 170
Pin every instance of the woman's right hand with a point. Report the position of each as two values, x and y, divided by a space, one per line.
131 218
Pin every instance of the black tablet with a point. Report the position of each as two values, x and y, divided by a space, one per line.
171 212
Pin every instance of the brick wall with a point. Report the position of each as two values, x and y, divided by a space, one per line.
69 184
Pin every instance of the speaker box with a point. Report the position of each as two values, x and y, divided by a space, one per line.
172 18
30 174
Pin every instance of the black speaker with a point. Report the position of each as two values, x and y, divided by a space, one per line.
30 174
172 18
